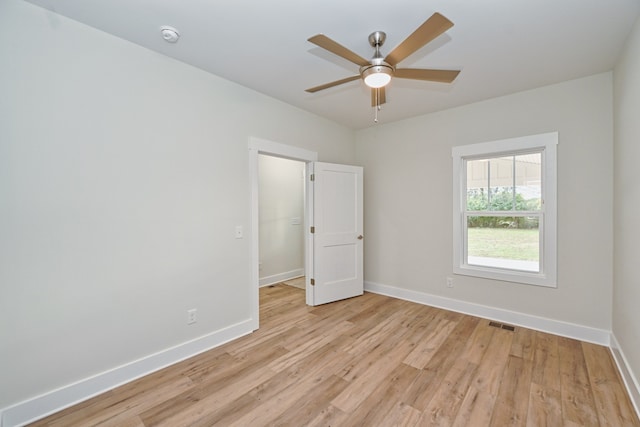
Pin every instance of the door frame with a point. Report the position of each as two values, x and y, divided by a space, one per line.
259 146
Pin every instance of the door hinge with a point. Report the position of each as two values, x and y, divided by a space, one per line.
313 230
313 282
312 177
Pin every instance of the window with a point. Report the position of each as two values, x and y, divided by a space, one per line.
504 209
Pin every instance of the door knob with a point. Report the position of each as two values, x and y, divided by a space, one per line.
360 237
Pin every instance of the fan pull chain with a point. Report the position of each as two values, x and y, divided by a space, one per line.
377 106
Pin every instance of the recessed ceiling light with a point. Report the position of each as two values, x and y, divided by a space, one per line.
169 34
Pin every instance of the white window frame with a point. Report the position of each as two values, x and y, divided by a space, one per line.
545 143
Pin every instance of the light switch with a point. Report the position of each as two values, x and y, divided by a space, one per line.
295 220
239 234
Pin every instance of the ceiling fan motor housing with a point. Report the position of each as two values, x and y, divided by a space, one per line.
378 73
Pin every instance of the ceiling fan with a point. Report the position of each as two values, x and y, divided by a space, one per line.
377 72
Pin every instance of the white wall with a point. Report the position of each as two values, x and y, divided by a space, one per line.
408 200
626 290
117 214
281 201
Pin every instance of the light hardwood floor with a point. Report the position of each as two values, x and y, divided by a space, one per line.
298 282
372 361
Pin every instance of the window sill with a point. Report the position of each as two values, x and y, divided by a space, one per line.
505 275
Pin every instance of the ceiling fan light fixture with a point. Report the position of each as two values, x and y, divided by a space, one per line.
377 76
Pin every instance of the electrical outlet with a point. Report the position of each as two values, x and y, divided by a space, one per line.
449 282
239 232
192 316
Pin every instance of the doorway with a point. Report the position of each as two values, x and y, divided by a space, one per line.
259 147
281 221
333 246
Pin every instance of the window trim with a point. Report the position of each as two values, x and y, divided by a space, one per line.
547 143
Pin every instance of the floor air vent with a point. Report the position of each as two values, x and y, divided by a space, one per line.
500 325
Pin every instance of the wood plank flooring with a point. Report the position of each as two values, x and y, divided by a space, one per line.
298 282
372 361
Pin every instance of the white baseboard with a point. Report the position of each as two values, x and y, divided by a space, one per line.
281 277
630 380
556 327
51 402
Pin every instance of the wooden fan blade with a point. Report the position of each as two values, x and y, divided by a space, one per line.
429 30
441 76
378 96
332 84
336 48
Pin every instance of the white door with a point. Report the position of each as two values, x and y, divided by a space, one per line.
336 231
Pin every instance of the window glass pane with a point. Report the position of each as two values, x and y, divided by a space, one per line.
528 182
501 199
477 185
501 183
504 242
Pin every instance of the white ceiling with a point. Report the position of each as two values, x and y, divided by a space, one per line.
501 46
